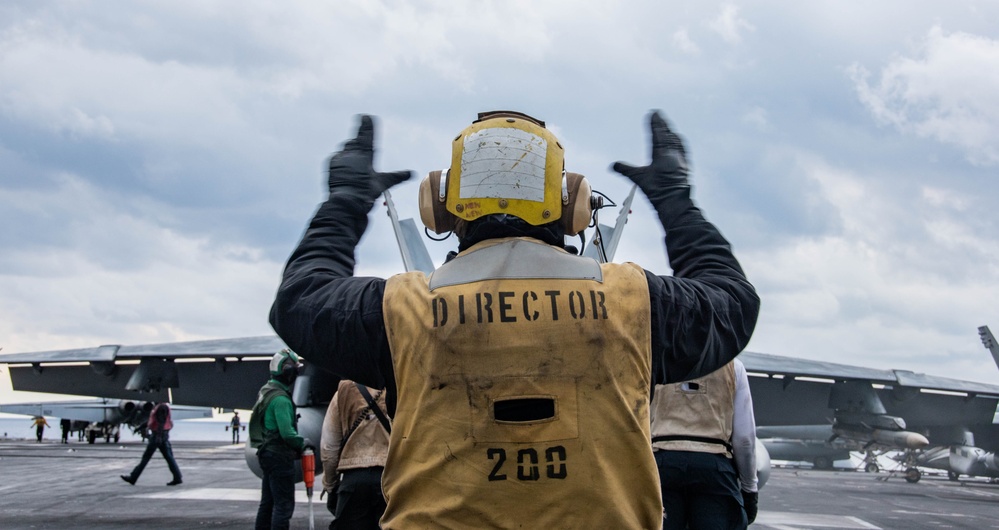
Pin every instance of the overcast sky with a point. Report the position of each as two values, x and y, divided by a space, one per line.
159 160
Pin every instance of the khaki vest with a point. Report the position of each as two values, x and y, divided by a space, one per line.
368 443
523 378
696 415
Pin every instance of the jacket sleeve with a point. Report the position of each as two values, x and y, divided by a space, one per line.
744 431
322 312
329 447
284 414
704 314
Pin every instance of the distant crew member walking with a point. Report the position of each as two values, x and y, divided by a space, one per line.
66 425
159 425
39 423
234 424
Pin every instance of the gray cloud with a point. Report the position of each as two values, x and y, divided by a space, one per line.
159 161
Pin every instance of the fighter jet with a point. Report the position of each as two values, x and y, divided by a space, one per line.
807 410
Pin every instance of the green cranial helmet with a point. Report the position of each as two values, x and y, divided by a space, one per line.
285 361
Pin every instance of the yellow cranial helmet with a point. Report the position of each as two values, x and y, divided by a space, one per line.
506 162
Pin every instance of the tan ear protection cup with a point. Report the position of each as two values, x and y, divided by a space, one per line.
576 214
433 211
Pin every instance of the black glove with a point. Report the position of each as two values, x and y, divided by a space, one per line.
351 172
750 504
668 171
307 444
331 497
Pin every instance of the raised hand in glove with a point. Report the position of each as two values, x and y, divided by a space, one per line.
351 171
750 504
668 170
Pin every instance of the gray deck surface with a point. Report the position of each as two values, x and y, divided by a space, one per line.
76 485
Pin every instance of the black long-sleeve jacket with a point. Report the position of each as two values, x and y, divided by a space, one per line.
702 316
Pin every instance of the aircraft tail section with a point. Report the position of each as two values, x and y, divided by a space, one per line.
414 253
989 342
603 244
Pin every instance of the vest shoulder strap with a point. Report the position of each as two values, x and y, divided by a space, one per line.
374 407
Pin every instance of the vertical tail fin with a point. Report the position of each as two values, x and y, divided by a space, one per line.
603 245
989 342
414 253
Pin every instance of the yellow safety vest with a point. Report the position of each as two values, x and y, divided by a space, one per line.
523 378
696 415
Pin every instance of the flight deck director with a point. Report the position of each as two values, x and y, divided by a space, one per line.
519 374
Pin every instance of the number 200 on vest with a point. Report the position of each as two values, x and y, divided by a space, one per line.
528 463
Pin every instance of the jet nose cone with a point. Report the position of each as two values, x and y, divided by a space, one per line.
915 441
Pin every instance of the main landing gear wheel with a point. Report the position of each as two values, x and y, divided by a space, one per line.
952 476
912 475
822 462
871 467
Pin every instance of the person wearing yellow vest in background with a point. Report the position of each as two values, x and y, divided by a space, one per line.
518 374
704 437
353 451
39 423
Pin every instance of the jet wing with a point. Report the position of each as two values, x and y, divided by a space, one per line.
788 391
82 410
96 410
238 348
225 373
771 365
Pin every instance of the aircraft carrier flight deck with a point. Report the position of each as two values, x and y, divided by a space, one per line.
55 485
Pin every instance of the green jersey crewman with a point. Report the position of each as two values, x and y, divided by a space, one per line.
274 434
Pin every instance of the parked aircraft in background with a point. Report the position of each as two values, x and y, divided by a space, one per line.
819 411
958 460
966 458
102 418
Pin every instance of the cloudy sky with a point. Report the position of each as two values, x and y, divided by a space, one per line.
159 160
